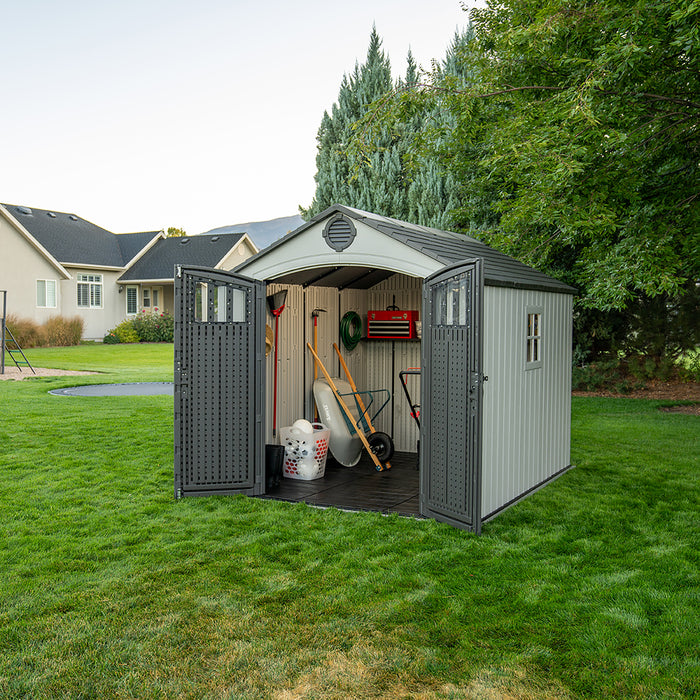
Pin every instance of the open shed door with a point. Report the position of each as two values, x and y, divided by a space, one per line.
219 383
451 389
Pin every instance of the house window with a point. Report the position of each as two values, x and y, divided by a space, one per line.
132 300
90 291
46 294
151 297
533 340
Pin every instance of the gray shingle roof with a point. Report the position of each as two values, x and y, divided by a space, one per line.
73 240
159 262
500 270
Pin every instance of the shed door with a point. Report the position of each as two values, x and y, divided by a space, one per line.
219 382
451 389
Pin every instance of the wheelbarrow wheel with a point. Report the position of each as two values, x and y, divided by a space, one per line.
382 446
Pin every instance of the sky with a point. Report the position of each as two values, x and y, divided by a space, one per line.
139 115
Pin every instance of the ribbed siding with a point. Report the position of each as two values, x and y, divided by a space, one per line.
527 412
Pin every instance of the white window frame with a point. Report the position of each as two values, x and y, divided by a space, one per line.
154 297
50 298
132 288
90 291
533 337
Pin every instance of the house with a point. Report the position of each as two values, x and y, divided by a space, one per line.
54 263
495 359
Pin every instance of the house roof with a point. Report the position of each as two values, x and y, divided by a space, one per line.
74 241
442 247
159 262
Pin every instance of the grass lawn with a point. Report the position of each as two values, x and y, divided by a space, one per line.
111 589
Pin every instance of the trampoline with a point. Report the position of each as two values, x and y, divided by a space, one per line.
133 389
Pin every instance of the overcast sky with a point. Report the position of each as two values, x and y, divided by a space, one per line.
143 114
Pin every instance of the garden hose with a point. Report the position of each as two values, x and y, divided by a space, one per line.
350 330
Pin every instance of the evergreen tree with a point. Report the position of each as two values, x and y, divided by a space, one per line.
341 178
383 180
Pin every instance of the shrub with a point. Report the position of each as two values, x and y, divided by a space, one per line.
154 327
62 331
123 333
58 331
111 338
25 331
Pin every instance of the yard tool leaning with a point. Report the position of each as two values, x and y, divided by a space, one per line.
376 446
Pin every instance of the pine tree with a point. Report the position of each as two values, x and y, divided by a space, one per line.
339 177
422 191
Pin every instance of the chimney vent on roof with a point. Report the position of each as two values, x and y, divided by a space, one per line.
215 239
73 217
184 241
25 210
51 214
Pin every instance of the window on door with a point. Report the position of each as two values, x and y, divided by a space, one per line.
151 297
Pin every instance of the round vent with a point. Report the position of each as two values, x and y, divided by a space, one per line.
339 232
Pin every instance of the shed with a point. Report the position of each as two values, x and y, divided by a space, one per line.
494 354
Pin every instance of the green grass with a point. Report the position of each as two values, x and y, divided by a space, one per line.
111 589
143 362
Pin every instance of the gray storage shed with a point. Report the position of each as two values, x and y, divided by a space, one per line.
495 359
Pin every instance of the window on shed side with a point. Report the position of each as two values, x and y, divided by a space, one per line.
533 340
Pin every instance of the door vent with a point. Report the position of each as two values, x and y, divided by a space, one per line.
339 232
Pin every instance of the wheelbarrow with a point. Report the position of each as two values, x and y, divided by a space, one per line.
379 446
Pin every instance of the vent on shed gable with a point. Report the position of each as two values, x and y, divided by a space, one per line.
339 232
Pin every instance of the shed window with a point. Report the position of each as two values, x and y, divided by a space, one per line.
219 304
533 341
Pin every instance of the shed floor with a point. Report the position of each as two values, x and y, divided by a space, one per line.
360 487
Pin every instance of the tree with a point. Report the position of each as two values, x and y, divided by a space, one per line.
173 232
382 180
336 178
597 142
576 138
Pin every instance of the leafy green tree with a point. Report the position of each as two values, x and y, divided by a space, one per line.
596 146
575 136
173 232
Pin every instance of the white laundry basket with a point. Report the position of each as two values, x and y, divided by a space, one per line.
305 453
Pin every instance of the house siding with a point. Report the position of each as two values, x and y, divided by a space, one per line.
21 265
96 321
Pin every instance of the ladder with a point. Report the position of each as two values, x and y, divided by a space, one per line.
6 337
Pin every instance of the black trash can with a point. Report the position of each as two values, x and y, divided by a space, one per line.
274 464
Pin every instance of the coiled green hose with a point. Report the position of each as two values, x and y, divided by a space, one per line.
350 330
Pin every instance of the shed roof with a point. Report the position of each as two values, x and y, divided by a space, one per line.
159 262
422 243
74 241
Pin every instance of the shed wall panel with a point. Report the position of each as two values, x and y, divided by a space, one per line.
527 412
